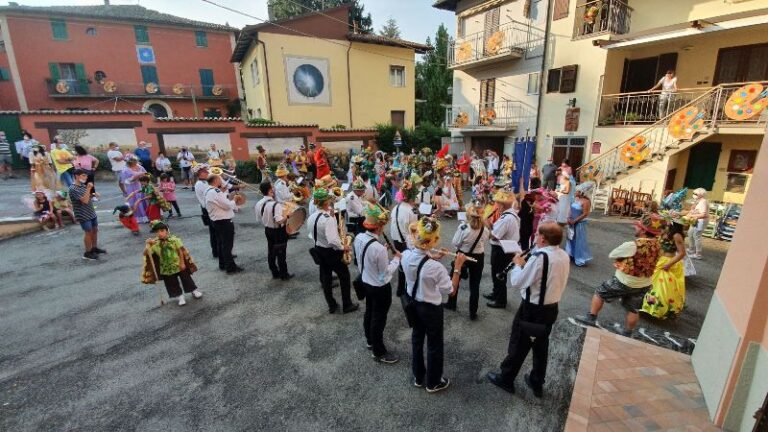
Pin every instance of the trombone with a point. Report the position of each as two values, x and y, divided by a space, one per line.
232 178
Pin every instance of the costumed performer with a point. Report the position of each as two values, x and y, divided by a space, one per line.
166 258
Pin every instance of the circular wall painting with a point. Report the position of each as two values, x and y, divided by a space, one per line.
308 80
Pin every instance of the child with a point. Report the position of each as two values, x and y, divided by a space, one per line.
166 259
127 218
168 188
61 206
155 201
43 210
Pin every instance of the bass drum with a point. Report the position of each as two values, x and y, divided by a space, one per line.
295 217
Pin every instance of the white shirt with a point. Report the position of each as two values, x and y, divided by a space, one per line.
493 163
667 85
282 191
507 227
521 278
370 192
269 211
465 237
425 195
327 230
218 205
402 216
117 165
162 164
214 154
200 187
355 205
435 280
185 159
378 269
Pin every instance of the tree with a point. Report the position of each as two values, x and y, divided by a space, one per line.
390 29
433 79
282 9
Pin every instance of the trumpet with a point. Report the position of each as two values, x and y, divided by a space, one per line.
337 192
232 178
346 239
502 275
453 254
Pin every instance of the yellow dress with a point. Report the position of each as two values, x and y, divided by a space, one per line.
666 298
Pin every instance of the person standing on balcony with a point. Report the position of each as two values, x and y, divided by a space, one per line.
668 86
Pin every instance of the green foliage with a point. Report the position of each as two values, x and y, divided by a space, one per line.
282 9
260 122
104 164
246 170
390 29
339 126
433 79
424 135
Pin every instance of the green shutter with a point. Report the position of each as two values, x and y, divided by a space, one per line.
201 39
206 80
149 75
5 74
54 69
142 34
82 79
59 30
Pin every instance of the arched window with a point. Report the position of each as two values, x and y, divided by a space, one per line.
157 110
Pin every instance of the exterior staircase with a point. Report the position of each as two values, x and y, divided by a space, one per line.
698 120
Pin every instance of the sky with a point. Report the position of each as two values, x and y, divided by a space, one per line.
417 19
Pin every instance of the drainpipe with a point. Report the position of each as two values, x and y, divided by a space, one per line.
266 77
543 66
349 86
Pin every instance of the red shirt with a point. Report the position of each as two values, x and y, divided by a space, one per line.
463 164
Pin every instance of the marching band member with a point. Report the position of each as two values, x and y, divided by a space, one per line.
356 206
507 227
470 239
221 211
425 192
282 189
201 172
271 214
428 281
541 282
329 250
404 215
376 271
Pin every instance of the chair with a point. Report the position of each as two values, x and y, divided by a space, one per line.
600 198
619 201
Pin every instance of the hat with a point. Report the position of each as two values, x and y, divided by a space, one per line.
325 181
474 209
79 171
426 232
303 147
321 195
504 196
39 190
199 167
357 159
409 190
281 170
441 164
287 151
157 225
311 146
260 149
586 187
502 182
61 194
671 217
358 185
652 223
375 217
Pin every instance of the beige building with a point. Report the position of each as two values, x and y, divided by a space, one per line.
313 69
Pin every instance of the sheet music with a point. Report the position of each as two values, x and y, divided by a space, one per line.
510 246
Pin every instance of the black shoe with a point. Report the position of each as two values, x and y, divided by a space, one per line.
417 383
449 306
235 269
351 308
496 380
98 251
473 317
496 305
332 309
368 346
287 277
386 359
91 256
276 276
586 320
489 296
444 383
537 391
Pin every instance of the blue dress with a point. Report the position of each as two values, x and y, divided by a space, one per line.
578 247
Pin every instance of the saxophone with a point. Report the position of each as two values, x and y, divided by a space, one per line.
346 239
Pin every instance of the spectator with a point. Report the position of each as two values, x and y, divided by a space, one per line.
41 174
699 213
62 160
163 165
144 156
549 175
43 210
6 158
24 146
117 161
62 206
493 163
535 177
185 158
167 187
668 86
82 204
87 163
462 163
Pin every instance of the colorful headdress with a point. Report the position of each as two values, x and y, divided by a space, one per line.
196 168
426 233
157 225
321 195
504 196
375 216
586 187
652 223
325 182
358 159
281 170
358 184
474 209
671 217
441 164
408 191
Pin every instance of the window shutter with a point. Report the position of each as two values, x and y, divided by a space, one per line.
206 80
568 79
561 9
59 29
149 74
54 69
142 35
82 79
553 80
5 74
201 39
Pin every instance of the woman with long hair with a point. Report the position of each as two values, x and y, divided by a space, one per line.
86 162
666 298
470 239
130 178
577 245
41 172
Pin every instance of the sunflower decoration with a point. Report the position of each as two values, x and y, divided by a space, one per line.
426 233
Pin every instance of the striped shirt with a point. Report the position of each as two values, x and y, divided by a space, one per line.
5 148
83 212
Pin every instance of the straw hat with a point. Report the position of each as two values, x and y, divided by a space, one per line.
426 233
199 167
652 223
325 182
585 188
281 170
504 196
375 217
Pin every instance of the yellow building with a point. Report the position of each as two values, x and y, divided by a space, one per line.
610 53
313 69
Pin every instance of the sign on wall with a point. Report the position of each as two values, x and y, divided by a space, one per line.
596 146
308 80
145 54
572 119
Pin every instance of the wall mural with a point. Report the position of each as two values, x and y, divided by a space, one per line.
308 80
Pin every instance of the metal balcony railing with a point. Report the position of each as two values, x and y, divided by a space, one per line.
640 108
509 39
110 89
600 17
505 114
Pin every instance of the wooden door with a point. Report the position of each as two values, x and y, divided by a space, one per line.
398 118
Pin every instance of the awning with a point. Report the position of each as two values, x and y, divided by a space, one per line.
482 7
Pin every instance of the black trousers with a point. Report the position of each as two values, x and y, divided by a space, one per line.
277 245
172 283
550 184
429 324
499 260
225 234
331 263
378 299
211 232
535 183
401 247
475 274
176 207
520 343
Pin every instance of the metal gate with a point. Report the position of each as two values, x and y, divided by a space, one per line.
9 123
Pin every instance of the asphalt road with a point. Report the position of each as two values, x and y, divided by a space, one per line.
84 346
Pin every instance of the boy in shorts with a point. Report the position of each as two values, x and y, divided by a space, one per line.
81 195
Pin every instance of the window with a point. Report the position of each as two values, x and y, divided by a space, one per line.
72 73
206 80
142 34
561 9
553 80
562 80
462 27
398 118
59 29
487 92
533 83
212 113
201 39
397 76
149 75
255 73
571 148
90 31
5 74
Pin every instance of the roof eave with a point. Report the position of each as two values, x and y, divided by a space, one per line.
449 5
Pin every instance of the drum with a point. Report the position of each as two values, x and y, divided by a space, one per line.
295 217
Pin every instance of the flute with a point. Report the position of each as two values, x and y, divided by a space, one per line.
447 252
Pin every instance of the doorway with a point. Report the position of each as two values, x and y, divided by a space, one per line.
702 165
571 148
480 144
642 74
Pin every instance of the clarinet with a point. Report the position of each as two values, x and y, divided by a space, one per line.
502 275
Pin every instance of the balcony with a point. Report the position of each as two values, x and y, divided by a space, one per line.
73 89
497 116
602 17
508 41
